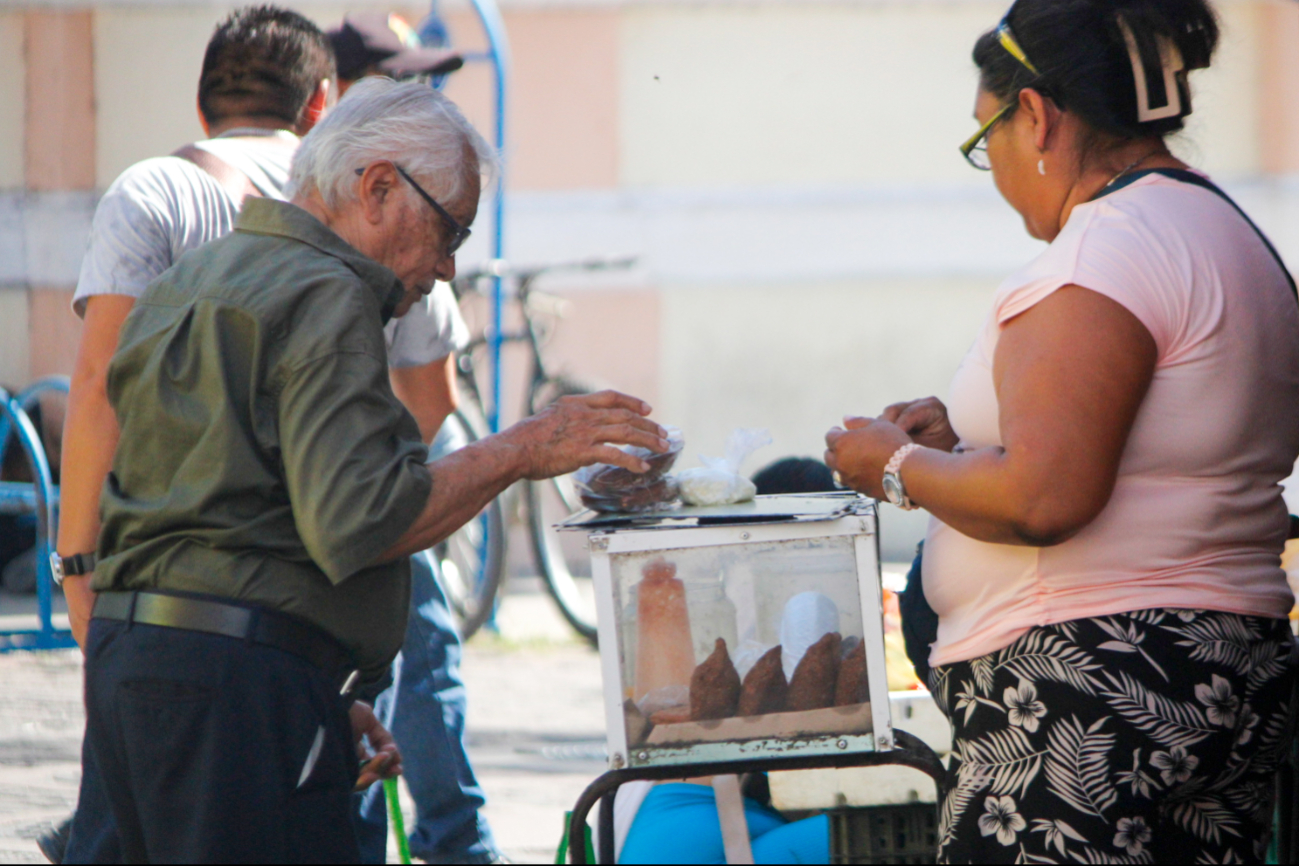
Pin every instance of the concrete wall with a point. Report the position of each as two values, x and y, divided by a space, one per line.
810 241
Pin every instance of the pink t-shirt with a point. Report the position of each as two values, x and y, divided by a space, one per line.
1196 519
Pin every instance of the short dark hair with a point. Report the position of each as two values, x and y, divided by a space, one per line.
263 61
1081 53
794 475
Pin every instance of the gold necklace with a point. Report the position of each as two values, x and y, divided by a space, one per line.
1131 166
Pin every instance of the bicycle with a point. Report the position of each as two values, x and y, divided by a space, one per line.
560 557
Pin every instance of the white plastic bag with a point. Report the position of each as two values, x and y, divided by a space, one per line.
718 481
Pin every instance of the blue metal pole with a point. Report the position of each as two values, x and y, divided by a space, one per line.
498 52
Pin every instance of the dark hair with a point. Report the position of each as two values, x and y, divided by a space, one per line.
263 61
1081 52
794 475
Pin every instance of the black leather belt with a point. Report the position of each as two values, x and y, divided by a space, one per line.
265 627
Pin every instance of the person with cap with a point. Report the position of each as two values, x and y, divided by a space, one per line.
268 489
426 703
378 43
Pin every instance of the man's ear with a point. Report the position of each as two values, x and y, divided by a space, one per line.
317 105
377 184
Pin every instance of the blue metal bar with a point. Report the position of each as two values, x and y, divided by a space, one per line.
46 637
498 52
26 398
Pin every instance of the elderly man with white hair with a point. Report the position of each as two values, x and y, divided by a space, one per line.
268 488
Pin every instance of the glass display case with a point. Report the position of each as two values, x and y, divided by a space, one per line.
742 631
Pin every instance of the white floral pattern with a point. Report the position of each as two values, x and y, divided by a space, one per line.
999 817
1134 738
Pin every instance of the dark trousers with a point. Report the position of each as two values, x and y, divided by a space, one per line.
93 838
217 750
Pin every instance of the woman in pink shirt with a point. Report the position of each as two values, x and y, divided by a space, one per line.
1107 522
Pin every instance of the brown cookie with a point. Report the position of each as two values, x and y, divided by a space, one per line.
714 686
852 686
765 688
813 684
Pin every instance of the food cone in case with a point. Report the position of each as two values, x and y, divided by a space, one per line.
664 651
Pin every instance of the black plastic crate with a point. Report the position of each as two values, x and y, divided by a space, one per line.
884 834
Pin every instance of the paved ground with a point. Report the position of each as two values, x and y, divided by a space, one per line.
536 731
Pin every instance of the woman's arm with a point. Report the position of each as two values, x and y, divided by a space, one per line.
1070 375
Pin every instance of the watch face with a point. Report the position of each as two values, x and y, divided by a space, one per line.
893 489
56 567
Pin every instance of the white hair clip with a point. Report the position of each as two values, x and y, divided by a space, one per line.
1170 69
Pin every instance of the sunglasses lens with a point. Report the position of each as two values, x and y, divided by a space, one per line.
458 241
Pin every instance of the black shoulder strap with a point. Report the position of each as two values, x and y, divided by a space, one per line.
1191 177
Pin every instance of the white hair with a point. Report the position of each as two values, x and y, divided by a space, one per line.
408 123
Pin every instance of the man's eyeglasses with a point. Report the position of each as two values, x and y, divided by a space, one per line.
458 234
975 148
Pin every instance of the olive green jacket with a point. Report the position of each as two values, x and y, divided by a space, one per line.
263 456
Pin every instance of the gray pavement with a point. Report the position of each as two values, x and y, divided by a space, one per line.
536 731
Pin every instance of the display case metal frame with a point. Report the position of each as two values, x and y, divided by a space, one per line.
859 523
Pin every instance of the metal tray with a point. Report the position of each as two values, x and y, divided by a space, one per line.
801 507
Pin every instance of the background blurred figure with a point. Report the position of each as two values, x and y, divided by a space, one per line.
425 705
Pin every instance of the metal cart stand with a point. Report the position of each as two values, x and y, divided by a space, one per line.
785 589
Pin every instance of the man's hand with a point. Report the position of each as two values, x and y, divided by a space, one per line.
860 452
577 431
925 421
383 760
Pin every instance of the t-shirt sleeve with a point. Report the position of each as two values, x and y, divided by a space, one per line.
431 330
155 211
1115 255
353 460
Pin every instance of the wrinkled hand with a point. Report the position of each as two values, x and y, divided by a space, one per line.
860 452
925 421
384 760
577 431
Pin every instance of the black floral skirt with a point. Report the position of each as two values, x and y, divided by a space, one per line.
1151 736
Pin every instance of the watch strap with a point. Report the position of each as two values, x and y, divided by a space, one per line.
894 467
78 564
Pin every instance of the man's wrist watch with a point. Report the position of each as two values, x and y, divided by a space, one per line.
71 566
894 490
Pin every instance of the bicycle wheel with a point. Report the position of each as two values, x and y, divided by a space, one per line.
472 559
561 557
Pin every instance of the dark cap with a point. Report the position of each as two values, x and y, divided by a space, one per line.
386 42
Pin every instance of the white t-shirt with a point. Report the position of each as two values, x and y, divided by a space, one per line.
1196 519
163 207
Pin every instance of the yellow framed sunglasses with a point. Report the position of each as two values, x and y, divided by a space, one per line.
975 148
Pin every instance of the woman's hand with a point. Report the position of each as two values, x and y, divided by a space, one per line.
860 452
925 421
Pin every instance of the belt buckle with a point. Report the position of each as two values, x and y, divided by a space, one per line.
349 683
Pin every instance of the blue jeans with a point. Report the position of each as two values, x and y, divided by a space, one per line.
425 710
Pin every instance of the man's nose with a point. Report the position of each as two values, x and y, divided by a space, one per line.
446 269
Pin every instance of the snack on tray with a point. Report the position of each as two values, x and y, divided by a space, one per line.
718 481
610 488
813 685
714 686
852 686
665 655
765 689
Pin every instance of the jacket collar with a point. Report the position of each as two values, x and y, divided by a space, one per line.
266 216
